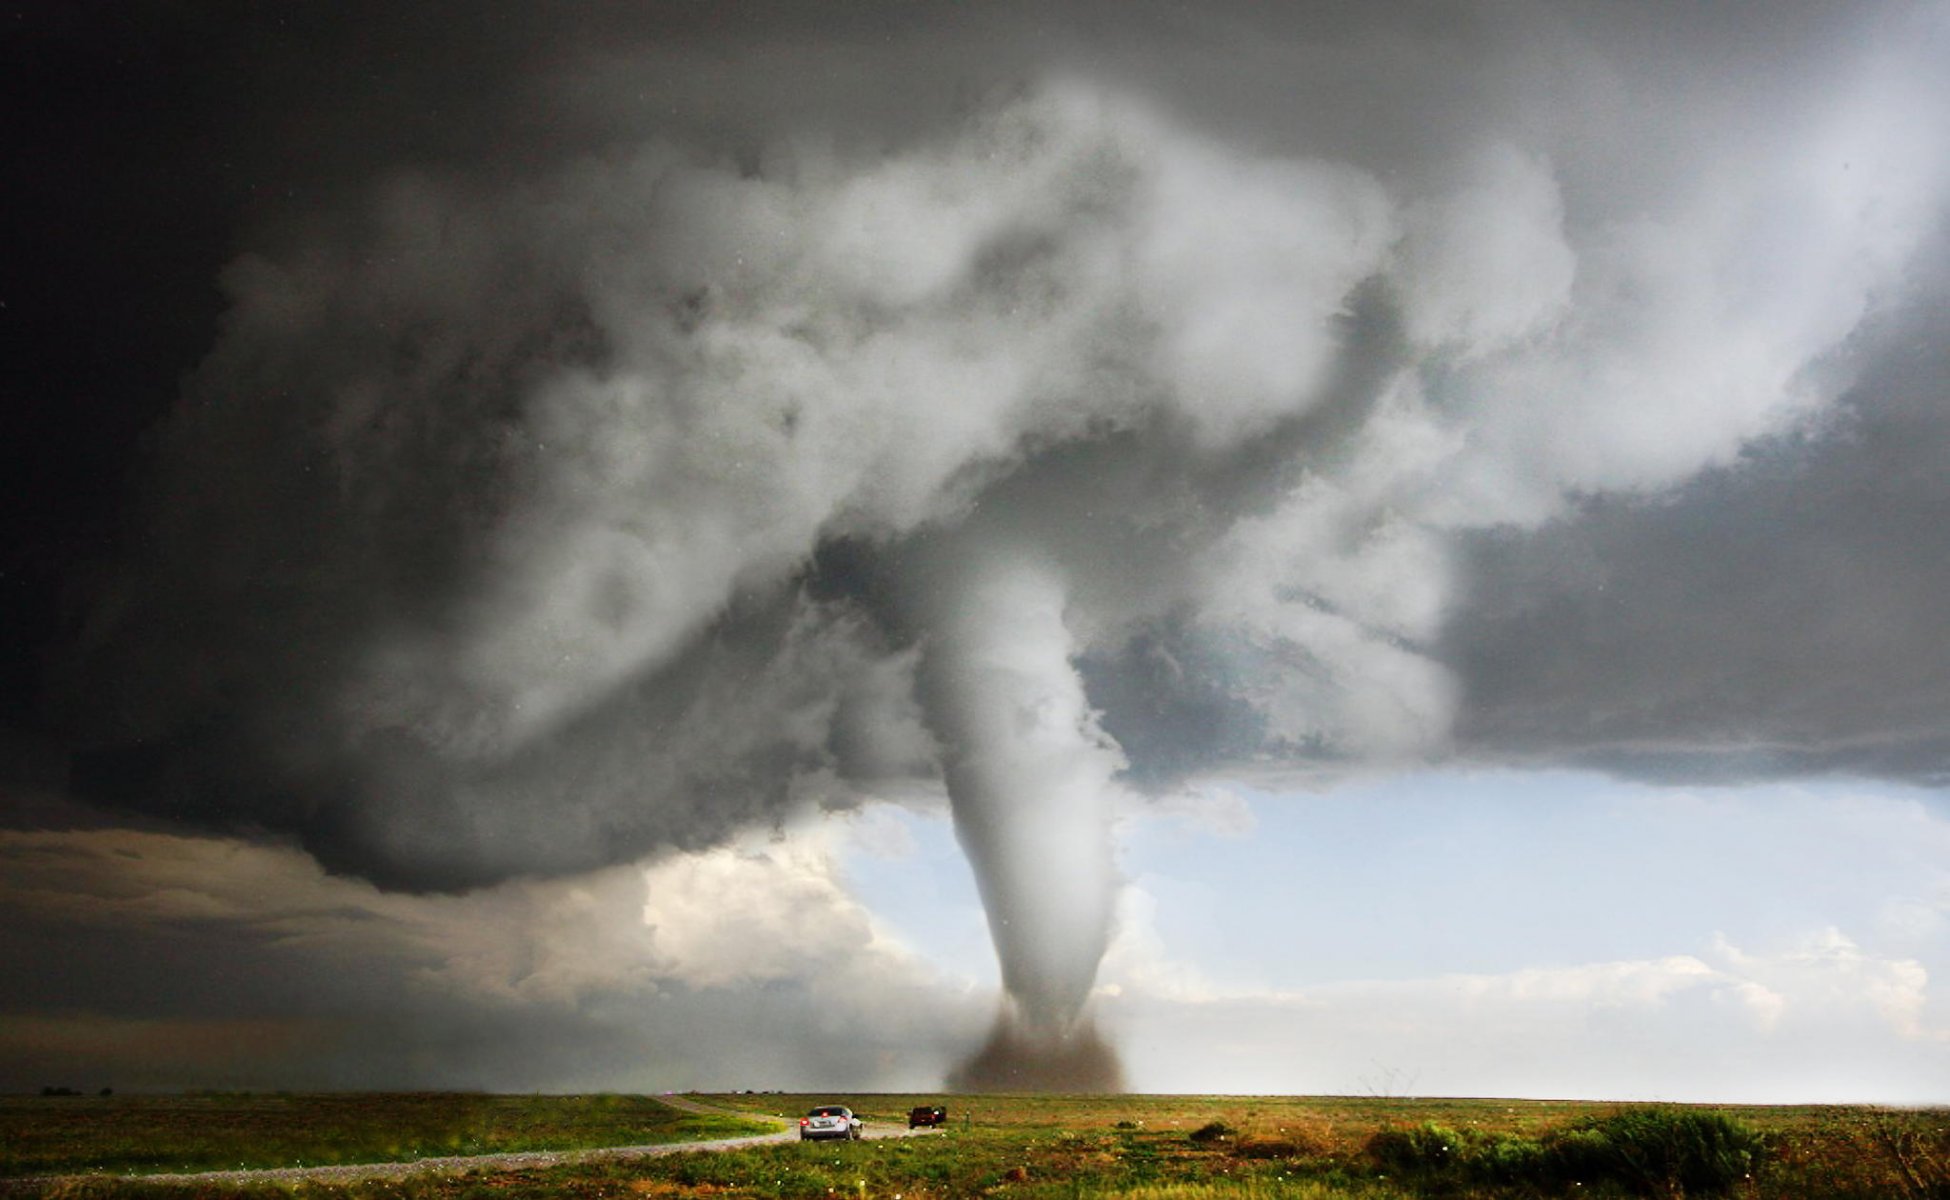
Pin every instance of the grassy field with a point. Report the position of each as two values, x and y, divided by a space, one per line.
1204 1148
42 1135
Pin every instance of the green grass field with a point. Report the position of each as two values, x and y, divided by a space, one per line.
1050 1148
220 1131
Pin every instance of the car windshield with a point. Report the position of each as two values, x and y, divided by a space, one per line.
829 1111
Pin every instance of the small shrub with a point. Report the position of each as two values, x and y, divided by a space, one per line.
1424 1150
1213 1131
1508 1158
1267 1148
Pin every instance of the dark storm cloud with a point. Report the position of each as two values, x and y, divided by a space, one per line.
1777 617
160 960
631 425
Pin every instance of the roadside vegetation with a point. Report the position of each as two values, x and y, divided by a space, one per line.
1243 1148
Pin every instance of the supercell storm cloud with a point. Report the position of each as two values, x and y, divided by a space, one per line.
1123 421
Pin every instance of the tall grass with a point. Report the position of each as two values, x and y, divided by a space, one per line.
1659 1151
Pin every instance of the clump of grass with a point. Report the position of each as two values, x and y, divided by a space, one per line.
1425 1149
1253 1147
1917 1152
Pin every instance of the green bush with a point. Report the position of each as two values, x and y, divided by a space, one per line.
1509 1158
1424 1150
1660 1151
1646 1151
1437 1153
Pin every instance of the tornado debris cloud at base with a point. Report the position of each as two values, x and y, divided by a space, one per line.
1018 1058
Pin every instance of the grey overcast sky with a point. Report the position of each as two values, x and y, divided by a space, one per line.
534 533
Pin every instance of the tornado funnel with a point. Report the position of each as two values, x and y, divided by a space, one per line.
1029 777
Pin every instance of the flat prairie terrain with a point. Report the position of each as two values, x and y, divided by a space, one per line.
231 1130
1037 1148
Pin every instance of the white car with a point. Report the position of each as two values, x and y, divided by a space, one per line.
830 1121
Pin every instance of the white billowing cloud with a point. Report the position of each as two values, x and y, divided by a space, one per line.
1765 1005
1241 266
540 944
1487 264
847 347
758 912
1562 345
1608 985
1137 961
1828 976
1336 592
1819 1018
1696 323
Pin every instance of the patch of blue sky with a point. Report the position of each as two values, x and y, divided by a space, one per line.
908 870
1473 872
1487 872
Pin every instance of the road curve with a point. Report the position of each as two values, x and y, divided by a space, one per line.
519 1160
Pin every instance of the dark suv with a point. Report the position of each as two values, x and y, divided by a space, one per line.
926 1114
